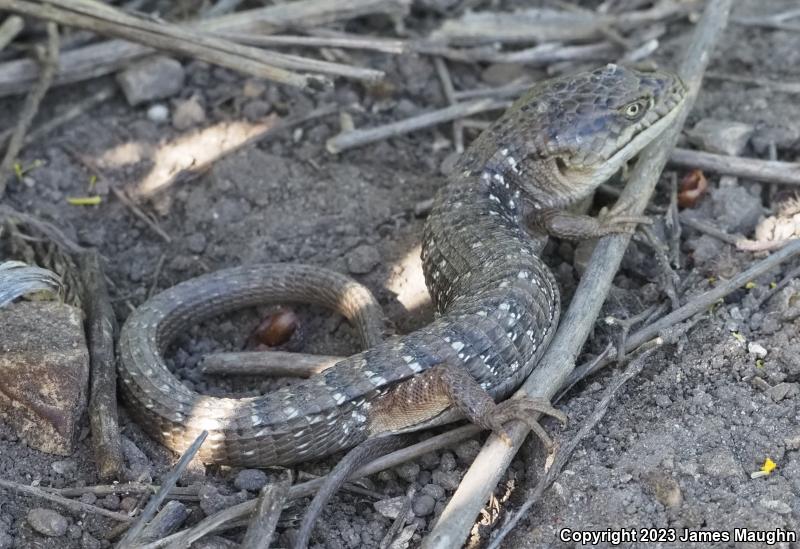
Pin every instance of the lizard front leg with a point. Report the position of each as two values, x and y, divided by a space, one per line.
572 226
424 396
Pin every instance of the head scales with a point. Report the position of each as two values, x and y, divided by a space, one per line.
569 134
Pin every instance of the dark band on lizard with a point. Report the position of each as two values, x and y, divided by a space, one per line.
497 302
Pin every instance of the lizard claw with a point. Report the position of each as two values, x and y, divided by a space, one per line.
616 221
525 409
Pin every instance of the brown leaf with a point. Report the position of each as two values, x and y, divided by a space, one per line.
277 328
692 188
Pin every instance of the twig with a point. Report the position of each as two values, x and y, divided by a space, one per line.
357 138
9 30
710 230
563 454
156 274
769 171
169 519
53 233
169 482
267 363
108 56
49 62
400 521
697 304
127 488
393 459
552 371
791 275
384 45
137 211
71 504
774 85
266 515
101 329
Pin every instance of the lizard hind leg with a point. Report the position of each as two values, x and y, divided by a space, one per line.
477 405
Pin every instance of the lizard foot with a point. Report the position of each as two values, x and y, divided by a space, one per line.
617 219
524 409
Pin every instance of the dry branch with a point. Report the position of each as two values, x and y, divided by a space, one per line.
108 56
73 505
267 363
49 62
768 171
9 30
266 515
558 362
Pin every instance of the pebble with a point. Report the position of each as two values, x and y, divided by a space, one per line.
47 522
449 480
89 542
88 498
6 539
111 502
434 490
211 501
783 390
128 503
663 401
74 531
721 136
155 77
188 113
408 471
65 467
447 462
158 113
196 243
468 450
362 259
252 480
256 110
390 508
776 506
423 505
756 349
735 209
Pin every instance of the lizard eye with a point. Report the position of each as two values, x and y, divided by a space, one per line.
636 109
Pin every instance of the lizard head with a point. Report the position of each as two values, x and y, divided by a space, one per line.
569 134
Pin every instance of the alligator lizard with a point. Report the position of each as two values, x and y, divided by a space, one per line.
497 302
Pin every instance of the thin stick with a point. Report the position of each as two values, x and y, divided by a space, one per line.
393 459
769 171
480 480
127 488
267 363
71 504
268 511
169 482
49 61
357 138
384 45
774 85
101 329
710 230
9 30
697 304
565 452
137 211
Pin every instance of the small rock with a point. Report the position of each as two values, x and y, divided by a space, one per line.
253 88
362 259
74 531
66 467
138 468
449 480
6 540
705 251
128 503
423 505
756 349
665 489
429 460
256 110
735 209
212 501
390 508
158 113
792 442
44 364
408 471
88 498
722 463
434 490
153 78
111 502
721 136
776 506
663 401
783 390
468 450
47 522
252 480
188 113
196 243
89 542
447 462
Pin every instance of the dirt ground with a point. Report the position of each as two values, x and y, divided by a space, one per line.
678 445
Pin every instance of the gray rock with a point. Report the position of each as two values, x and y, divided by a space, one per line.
111 502
150 79
362 259
468 450
722 463
735 209
663 401
449 480
47 522
6 540
188 113
423 505
783 137
447 462
783 390
252 480
158 113
89 542
721 136
196 243
137 464
434 490
408 471
212 501
74 531
256 110
88 498
65 467
390 508
776 506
